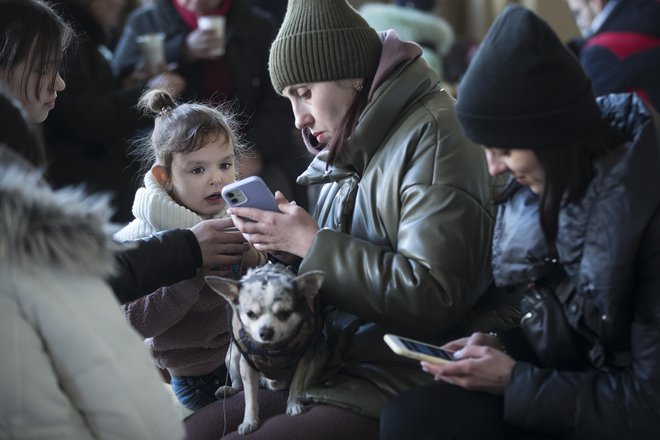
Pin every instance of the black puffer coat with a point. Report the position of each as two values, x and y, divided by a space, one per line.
609 246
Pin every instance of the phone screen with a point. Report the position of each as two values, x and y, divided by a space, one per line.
427 349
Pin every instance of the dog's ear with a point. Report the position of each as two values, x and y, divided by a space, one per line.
308 285
225 287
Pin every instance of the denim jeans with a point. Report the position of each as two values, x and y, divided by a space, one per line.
195 392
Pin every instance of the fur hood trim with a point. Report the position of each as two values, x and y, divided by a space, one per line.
61 229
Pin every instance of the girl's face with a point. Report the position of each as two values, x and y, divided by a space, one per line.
199 7
521 163
198 177
321 106
43 102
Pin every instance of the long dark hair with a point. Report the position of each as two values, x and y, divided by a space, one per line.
568 169
349 122
17 129
33 32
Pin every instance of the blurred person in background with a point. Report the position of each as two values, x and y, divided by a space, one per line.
620 46
238 76
414 20
88 133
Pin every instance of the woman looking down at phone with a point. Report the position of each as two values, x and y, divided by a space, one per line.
402 226
578 233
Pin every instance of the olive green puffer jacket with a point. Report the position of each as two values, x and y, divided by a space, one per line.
405 239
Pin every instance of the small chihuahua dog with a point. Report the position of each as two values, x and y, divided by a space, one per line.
276 335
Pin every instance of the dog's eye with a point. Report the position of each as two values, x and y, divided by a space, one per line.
250 314
283 315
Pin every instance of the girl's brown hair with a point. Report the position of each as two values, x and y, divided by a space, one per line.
183 128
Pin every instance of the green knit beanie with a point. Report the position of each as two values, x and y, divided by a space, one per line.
322 40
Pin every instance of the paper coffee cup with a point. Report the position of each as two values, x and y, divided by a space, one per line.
153 50
214 23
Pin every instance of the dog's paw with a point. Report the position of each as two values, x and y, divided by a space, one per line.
295 408
225 391
248 427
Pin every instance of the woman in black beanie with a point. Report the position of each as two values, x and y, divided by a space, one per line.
577 234
401 229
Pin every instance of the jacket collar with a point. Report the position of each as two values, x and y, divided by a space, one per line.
401 80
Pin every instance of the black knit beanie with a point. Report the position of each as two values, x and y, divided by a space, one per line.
322 40
523 88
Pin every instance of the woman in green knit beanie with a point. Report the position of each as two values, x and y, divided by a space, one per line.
401 228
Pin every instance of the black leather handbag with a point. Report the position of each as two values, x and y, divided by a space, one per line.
543 321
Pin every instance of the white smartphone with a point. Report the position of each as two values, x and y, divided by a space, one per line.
251 192
420 351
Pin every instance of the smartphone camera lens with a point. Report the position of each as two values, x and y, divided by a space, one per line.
230 194
234 200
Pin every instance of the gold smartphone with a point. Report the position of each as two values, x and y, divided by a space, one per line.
418 350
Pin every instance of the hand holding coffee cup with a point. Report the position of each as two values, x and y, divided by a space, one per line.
152 47
215 24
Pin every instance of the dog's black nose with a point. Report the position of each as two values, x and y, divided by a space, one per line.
266 333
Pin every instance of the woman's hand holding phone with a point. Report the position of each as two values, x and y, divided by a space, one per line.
288 229
480 365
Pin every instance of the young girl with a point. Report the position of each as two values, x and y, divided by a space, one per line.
192 148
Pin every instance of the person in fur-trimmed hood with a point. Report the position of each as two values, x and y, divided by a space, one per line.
414 21
71 367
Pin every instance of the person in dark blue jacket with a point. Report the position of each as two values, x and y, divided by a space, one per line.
577 235
620 46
